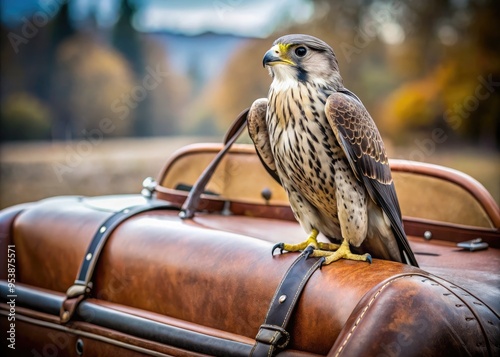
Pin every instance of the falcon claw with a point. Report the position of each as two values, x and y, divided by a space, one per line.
308 251
369 258
276 246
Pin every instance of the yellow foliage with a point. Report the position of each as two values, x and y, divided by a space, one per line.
411 106
423 102
24 117
92 82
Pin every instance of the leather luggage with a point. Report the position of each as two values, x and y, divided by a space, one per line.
128 275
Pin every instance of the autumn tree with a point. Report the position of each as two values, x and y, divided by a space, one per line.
92 83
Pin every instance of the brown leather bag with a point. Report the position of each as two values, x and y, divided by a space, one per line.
203 285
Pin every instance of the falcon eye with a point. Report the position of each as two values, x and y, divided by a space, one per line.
301 51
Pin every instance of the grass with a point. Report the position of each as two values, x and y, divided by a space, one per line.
30 172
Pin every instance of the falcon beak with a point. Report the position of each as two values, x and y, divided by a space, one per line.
276 55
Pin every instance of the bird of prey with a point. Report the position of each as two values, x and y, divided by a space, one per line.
316 138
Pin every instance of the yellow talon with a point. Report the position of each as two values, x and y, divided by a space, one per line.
343 252
312 241
332 252
328 246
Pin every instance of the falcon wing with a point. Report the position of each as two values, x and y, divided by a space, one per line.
360 139
257 129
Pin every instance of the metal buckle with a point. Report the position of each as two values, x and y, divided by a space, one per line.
267 334
76 290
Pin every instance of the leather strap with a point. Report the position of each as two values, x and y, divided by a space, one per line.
193 199
83 284
272 334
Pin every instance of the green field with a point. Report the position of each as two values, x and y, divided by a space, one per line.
34 171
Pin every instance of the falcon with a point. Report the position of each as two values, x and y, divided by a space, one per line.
319 142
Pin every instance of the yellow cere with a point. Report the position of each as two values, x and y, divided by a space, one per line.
283 53
283 48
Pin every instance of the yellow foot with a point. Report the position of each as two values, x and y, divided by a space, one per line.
311 241
343 252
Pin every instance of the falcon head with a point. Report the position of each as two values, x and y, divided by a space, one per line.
302 58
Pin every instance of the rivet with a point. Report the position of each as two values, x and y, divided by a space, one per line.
149 183
149 186
102 230
89 256
427 235
266 194
79 347
282 299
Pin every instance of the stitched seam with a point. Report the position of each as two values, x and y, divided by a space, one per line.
272 340
365 309
258 334
281 283
298 291
275 337
111 227
270 351
437 278
479 317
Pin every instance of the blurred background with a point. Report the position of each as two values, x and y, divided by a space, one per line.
96 94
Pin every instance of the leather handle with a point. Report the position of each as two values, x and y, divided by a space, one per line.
234 131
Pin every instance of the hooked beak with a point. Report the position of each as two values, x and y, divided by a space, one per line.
275 56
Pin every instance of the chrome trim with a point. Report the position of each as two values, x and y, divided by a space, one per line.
63 328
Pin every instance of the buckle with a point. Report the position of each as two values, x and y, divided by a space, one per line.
76 290
75 294
272 335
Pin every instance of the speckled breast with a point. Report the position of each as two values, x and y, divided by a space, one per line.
304 146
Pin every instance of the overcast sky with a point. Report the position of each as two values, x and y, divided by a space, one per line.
249 18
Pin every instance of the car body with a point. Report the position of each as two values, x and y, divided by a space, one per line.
164 284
